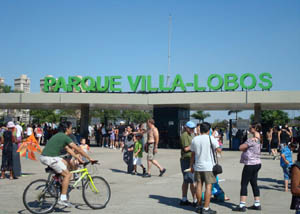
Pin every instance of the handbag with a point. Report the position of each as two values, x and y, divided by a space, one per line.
217 168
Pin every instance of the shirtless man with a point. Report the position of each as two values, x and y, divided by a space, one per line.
152 144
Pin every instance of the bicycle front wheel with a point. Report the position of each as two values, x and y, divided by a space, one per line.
96 192
38 198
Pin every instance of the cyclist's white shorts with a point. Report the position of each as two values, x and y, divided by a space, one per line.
56 163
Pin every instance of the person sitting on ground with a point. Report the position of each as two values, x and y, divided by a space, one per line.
51 157
138 153
286 161
217 193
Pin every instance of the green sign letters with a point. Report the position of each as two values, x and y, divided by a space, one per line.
143 83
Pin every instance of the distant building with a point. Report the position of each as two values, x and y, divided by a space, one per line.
42 83
22 84
1 81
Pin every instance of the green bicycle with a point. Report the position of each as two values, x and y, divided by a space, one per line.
41 195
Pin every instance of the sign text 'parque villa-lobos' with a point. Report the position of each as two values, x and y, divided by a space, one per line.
144 83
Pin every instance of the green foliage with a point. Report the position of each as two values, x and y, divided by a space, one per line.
136 116
67 112
297 118
129 116
200 115
272 118
5 88
8 89
220 124
41 116
236 113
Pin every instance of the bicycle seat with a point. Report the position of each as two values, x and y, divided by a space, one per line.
49 170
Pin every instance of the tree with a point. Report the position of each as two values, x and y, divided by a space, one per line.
297 118
236 113
135 116
220 124
5 88
41 116
200 115
129 116
270 118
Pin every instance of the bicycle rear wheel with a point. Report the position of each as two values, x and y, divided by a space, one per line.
38 198
98 195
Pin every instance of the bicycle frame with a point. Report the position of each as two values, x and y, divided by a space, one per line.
85 173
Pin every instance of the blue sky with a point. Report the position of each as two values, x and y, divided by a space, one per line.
118 37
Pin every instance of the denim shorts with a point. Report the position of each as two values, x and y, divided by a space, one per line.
188 177
286 173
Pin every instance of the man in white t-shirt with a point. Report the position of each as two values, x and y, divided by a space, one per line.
202 162
19 131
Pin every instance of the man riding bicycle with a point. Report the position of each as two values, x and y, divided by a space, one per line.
51 156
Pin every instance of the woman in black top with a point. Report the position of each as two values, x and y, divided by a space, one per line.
285 136
7 140
275 142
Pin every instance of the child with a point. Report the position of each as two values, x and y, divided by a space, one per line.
84 147
138 153
128 153
286 161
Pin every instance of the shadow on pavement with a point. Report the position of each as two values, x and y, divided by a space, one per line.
173 202
27 173
56 210
223 204
81 206
275 184
119 171
271 180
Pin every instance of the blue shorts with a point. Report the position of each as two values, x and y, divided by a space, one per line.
286 173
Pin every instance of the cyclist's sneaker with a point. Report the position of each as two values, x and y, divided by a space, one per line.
64 203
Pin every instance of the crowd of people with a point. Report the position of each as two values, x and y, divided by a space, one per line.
201 146
198 147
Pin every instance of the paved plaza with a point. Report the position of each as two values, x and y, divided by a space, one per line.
138 195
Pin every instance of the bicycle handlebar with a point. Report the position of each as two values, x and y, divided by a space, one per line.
88 162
